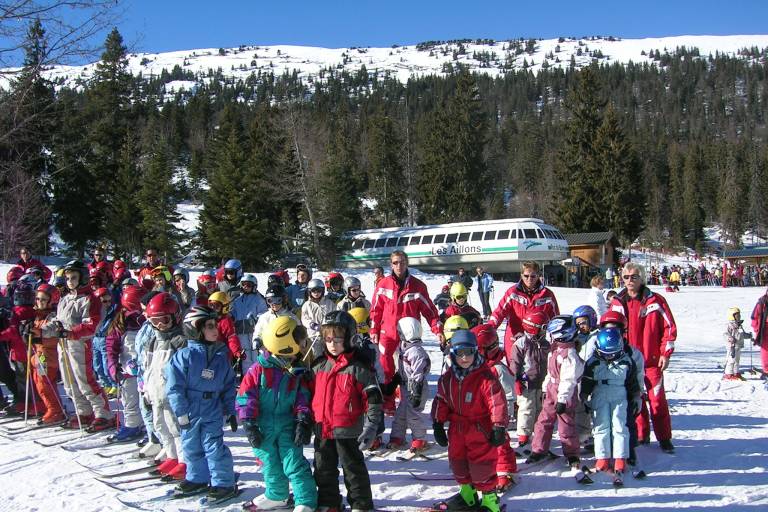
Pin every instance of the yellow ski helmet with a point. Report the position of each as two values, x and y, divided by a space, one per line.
283 336
732 312
361 316
453 324
458 290
223 299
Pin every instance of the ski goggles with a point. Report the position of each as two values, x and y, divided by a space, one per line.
336 340
273 301
158 321
461 297
464 351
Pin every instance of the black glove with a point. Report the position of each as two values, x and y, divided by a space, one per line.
441 437
303 431
232 420
368 436
636 406
560 408
415 400
255 436
498 435
414 393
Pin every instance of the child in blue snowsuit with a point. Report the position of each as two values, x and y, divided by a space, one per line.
274 405
609 389
201 391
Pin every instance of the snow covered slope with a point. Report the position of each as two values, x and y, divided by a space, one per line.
404 62
720 431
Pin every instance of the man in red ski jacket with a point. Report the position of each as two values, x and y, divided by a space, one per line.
397 296
526 296
26 261
651 329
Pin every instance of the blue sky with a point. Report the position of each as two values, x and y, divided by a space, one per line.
162 25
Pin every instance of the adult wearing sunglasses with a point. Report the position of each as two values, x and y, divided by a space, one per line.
152 261
526 296
651 329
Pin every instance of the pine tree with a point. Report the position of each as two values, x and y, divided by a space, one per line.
578 172
124 217
732 208
385 174
693 213
620 188
156 201
758 189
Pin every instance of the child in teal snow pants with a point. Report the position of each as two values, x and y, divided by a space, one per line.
273 404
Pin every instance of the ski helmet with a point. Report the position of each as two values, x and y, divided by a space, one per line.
613 317
283 336
461 341
206 281
610 343
333 280
446 288
409 328
344 320
487 339
101 292
534 322
195 319
96 279
130 281
276 295
587 312
163 304
24 292
77 266
35 271
316 285
250 278
458 291
732 312
561 329
162 271
453 324
274 280
118 267
223 299
130 299
361 316
301 267
52 292
14 273
180 271
351 282
103 267
234 266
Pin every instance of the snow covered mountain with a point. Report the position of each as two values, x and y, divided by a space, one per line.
428 58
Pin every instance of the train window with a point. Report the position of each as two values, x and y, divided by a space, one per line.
513 234
368 244
477 235
560 236
356 244
490 235
403 241
439 239
415 240
426 239
380 242
392 242
539 234
529 233
503 234
550 233
451 238
463 237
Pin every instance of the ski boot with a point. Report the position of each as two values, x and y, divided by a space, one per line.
535 457
221 494
395 443
164 467
152 449
667 446
52 418
125 434
187 488
261 502
574 462
490 502
505 482
100 424
465 499
75 424
178 472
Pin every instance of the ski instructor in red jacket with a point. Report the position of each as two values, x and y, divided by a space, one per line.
526 296
651 329
397 296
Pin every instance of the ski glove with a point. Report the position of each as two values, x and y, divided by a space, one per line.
636 405
232 420
184 423
441 437
498 435
303 431
560 408
414 393
254 434
368 436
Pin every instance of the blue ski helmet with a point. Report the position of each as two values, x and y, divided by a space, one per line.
589 313
236 266
561 329
610 343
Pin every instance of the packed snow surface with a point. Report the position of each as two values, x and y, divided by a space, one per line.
720 430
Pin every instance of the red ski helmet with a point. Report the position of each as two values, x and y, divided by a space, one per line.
613 317
51 291
130 299
163 304
534 322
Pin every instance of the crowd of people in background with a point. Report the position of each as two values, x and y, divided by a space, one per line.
317 358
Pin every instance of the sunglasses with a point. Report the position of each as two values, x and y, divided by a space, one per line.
465 351
530 276
633 277
157 321
335 340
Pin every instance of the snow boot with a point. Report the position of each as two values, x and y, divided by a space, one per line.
100 424
187 488
263 503
667 446
490 502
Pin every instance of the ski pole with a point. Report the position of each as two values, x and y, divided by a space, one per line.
26 379
68 369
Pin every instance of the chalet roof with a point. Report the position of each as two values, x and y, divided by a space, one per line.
597 238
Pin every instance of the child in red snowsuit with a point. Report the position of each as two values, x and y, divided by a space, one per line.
45 356
470 397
